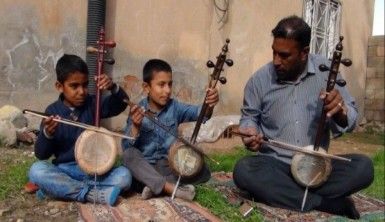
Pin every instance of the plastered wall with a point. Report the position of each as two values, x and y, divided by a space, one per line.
185 33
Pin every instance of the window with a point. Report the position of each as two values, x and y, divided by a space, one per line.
324 18
378 18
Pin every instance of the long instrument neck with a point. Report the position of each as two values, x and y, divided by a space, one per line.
100 66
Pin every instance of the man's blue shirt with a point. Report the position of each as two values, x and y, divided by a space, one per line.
290 111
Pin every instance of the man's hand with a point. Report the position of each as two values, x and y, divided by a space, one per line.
335 106
212 97
105 82
255 139
50 126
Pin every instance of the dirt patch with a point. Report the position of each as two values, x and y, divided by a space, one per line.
25 207
21 206
339 146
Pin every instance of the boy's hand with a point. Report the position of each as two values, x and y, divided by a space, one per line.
212 97
136 115
105 82
50 125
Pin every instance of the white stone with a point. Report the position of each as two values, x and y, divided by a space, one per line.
14 115
7 133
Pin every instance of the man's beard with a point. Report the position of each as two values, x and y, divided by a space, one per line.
290 75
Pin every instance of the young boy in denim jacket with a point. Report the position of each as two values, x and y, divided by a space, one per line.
63 179
146 155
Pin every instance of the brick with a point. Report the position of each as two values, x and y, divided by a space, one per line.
380 72
378 115
369 94
371 72
374 104
380 51
372 50
379 94
375 83
369 115
376 62
376 40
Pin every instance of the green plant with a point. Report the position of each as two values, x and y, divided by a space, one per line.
227 161
13 178
365 137
376 189
208 197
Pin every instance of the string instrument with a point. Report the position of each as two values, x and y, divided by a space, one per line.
186 162
150 116
96 153
96 137
311 171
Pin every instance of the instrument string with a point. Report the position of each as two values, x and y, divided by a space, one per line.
307 189
282 145
175 188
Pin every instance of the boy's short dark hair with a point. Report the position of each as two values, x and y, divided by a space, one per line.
68 64
293 27
154 65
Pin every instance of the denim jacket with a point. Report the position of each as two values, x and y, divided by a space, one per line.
152 140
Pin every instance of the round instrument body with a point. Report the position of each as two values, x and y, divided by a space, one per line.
95 152
310 171
184 160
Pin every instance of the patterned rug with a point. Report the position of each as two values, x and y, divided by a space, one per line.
370 209
133 208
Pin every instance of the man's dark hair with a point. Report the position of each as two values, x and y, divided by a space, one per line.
293 27
68 64
154 65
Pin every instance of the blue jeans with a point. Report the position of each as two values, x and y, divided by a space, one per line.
67 181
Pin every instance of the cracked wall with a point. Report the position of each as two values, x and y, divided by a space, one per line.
184 33
35 35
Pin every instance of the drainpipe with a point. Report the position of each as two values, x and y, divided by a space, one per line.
95 20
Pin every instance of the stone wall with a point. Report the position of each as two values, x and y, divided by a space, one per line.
374 94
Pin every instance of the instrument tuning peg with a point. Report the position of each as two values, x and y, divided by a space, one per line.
341 82
109 61
346 62
223 80
229 62
110 44
210 64
323 68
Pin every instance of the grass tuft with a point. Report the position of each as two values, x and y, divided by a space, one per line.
227 161
208 197
377 188
13 178
374 138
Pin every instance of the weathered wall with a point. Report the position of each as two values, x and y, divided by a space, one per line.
374 93
188 33
185 33
357 20
35 34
